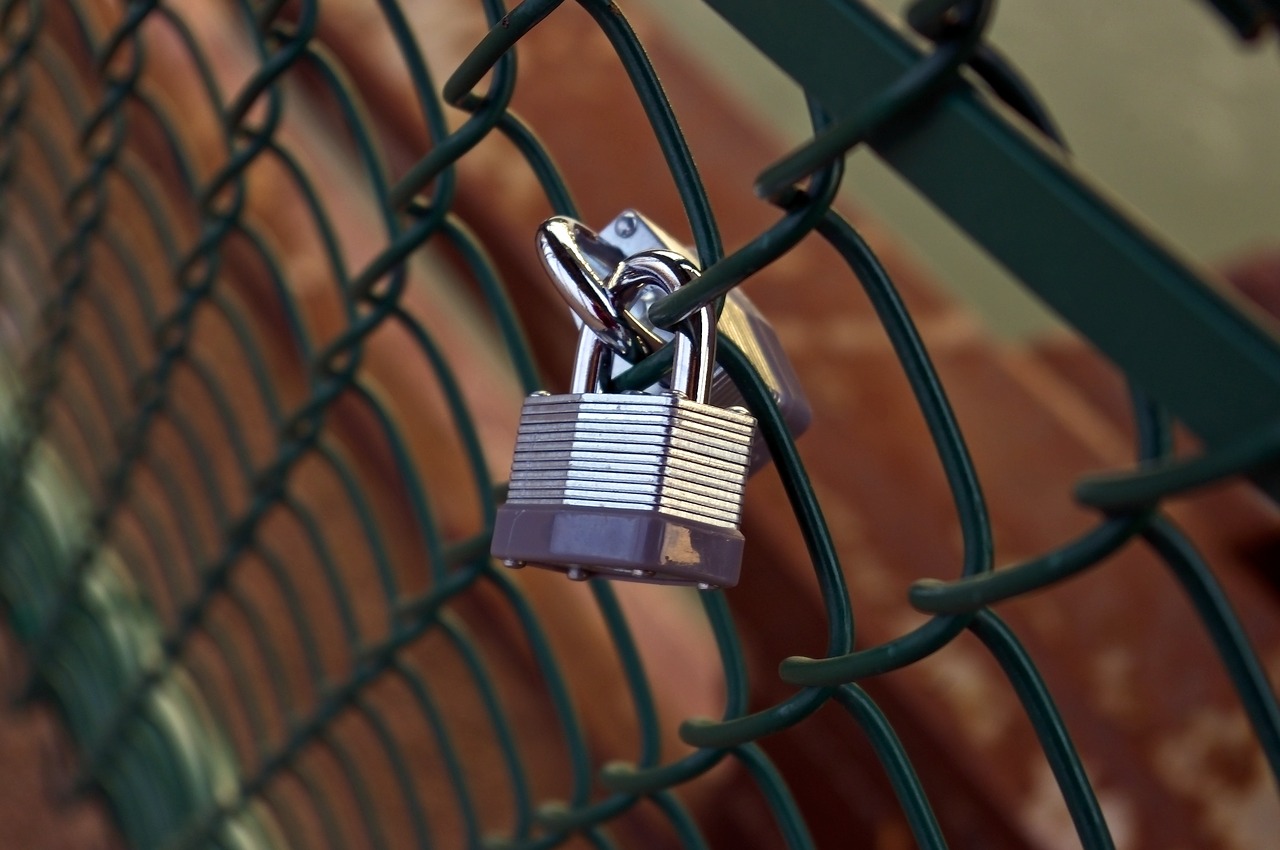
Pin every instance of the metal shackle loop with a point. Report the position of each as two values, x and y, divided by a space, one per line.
606 308
694 355
694 360
564 246
591 364
691 368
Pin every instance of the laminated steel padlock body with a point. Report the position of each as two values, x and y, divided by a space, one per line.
635 486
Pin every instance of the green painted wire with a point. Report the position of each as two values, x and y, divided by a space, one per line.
600 839
902 774
539 159
457 565
500 41
451 388
1064 760
497 43
44 378
1228 635
1124 521
50 382
935 596
559 819
913 90
803 212
119 477
327 816
404 780
182 318
682 822
496 299
733 731
956 463
547 664
795 832
486 112
451 756
665 127
627 777
1143 489
218 572
497 717
633 673
313 729
373 828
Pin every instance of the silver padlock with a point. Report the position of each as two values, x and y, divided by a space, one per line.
586 265
633 486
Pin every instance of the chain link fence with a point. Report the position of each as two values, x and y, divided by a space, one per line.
261 377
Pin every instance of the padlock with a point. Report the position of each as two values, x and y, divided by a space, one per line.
634 486
585 266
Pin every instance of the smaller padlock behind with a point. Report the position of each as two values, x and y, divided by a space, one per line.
634 486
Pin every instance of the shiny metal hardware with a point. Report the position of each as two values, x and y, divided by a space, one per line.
588 267
570 253
633 486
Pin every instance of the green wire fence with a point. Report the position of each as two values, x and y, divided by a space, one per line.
268 618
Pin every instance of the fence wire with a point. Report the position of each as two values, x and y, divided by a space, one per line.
267 612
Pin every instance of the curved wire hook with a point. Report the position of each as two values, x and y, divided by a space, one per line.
956 25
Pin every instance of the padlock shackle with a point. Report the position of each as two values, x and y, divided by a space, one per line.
694 360
563 245
591 364
589 273
694 363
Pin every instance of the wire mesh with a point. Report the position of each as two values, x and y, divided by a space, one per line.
248 487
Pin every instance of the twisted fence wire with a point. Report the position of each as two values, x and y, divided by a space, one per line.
211 715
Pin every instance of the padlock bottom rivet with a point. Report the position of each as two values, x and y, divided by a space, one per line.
578 574
513 564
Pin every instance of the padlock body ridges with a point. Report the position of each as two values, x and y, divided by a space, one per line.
640 486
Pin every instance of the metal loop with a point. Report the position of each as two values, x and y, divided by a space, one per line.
693 361
659 269
591 364
563 246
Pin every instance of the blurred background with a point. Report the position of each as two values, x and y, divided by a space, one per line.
1161 103
1170 113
